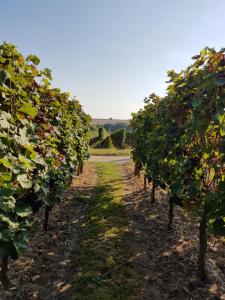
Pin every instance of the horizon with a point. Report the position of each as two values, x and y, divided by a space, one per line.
110 119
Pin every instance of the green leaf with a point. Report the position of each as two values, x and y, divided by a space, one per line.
34 59
29 109
37 158
47 73
7 204
6 192
26 162
206 155
222 132
9 161
5 235
11 224
46 82
24 181
6 176
203 52
20 242
6 162
23 210
211 174
198 171
221 118
3 76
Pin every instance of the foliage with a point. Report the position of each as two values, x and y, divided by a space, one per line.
119 138
107 142
44 134
179 139
129 136
98 135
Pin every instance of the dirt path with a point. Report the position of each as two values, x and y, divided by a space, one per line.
110 158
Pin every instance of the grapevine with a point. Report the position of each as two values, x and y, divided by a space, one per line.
43 140
179 141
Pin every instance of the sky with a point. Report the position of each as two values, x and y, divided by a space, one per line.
110 54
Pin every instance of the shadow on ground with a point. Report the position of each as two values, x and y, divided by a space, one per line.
166 260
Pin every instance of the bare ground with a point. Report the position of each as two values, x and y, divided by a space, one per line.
45 271
166 261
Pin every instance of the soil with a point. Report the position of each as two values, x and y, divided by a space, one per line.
164 260
45 271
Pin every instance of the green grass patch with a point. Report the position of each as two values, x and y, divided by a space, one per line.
111 151
105 265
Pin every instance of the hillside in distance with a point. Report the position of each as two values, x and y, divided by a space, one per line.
110 121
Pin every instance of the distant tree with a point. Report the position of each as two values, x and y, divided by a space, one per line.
100 135
119 138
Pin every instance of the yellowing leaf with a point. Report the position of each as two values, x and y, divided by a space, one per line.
29 109
24 181
26 162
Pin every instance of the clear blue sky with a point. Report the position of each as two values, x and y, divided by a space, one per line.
112 53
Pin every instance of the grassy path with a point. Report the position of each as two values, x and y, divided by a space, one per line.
105 266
